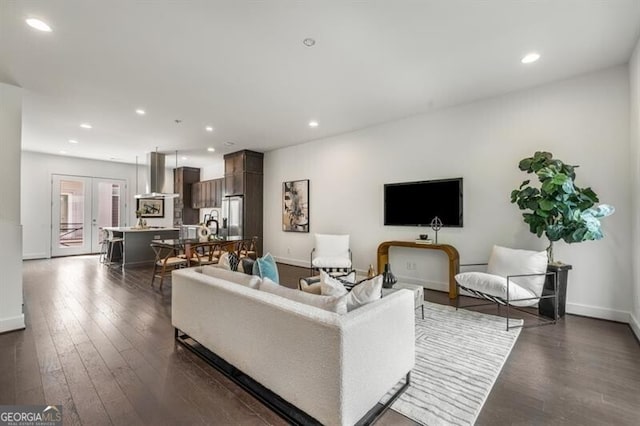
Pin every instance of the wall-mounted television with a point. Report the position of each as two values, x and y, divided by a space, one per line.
417 203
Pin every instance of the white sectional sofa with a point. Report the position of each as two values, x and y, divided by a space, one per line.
333 367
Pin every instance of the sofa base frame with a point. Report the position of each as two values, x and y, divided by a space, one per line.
277 404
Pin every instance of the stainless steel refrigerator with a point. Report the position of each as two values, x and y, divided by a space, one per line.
232 216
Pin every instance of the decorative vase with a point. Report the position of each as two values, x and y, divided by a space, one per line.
140 224
371 272
388 279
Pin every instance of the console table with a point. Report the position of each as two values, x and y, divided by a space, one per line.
451 251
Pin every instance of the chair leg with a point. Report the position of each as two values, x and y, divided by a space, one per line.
153 277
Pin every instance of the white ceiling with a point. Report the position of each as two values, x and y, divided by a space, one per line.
241 66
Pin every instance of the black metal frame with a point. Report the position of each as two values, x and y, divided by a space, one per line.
290 413
499 301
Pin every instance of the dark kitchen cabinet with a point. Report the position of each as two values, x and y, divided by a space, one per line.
183 180
243 175
207 194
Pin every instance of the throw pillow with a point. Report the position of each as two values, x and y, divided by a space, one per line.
330 286
265 267
246 265
250 281
506 261
310 284
328 303
366 291
229 260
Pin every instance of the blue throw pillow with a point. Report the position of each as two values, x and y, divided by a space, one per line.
265 267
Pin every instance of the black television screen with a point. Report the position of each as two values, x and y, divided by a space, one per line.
417 203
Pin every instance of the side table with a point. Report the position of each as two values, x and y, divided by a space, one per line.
418 293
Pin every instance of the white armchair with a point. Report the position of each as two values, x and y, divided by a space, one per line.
514 278
331 253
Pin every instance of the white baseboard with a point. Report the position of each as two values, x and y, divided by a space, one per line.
294 262
598 312
635 325
11 324
32 256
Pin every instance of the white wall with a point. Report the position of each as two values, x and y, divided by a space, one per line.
11 315
37 170
634 78
583 120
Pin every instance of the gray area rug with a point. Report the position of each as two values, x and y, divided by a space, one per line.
459 355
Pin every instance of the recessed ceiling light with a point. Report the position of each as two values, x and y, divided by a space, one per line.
313 123
209 129
38 25
184 158
63 152
309 42
73 141
211 149
140 111
86 126
530 58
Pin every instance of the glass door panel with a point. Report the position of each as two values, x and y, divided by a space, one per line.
80 207
69 215
108 207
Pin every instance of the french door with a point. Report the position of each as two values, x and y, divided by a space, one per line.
80 207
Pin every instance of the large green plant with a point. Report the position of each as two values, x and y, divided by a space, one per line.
558 208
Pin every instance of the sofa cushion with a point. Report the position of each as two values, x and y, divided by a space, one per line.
328 303
506 261
265 267
250 281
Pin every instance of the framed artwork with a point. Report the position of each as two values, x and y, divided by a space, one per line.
150 207
295 206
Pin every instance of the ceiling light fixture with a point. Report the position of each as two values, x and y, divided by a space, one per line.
63 152
313 123
211 149
86 126
209 129
38 25
183 158
73 141
530 58
229 143
140 111
309 42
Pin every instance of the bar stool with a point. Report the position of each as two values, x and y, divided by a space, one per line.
113 241
104 245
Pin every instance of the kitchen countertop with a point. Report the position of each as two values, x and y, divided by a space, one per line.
133 229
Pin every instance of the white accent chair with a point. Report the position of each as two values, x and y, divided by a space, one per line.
514 279
331 253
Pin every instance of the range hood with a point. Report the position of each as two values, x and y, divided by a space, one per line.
156 171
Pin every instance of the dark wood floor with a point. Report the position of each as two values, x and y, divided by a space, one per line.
99 341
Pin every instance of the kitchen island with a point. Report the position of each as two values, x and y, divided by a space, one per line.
136 248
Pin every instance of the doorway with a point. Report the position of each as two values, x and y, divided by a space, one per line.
81 206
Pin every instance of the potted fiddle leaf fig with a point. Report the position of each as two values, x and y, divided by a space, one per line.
560 210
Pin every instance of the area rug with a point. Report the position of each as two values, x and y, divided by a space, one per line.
459 355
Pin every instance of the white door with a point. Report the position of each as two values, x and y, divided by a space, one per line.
80 207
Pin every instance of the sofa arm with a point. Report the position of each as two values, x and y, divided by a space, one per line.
378 350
